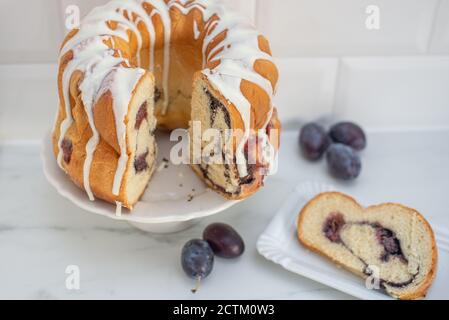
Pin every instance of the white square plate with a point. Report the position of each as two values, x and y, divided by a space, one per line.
280 244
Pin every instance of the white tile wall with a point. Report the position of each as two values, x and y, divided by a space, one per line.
28 100
306 88
440 39
29 31
330 64
295 27
324 27
394 92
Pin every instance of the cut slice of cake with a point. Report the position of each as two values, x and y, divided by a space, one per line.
215 132
121 146
390 243
141 143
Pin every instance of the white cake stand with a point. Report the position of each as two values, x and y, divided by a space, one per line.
174 200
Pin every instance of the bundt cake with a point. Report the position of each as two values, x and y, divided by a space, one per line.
390 242
137 65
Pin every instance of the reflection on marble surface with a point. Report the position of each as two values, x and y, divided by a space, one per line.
41 233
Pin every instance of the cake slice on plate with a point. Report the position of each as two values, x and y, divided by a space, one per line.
389 242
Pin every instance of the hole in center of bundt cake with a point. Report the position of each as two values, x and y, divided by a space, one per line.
67 149
142 114
140 162
333 225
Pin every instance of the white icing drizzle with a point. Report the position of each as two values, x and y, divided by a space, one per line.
126 80
239 52
107 70
102 72
209 26
96 71
196 31
118 209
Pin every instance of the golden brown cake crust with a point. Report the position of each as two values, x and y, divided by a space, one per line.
185 62
419 292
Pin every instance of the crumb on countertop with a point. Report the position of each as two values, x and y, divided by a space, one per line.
163 165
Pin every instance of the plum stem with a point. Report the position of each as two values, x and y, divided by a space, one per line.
198 284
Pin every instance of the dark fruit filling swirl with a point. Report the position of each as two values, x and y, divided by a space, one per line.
67 149
142 114
335 223
140 162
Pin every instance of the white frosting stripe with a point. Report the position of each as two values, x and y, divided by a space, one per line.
196 31
122 87
96 71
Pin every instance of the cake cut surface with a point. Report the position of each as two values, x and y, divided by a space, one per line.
390 243
134 66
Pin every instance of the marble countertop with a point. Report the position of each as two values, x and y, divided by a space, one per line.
42 233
